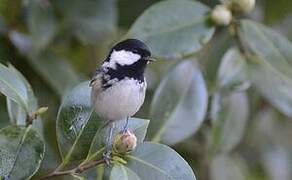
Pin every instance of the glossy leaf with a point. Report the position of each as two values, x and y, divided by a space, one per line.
13 87
16 113
93 173
179 104
121 172
136 125
229 116
55 70
18 116
210 56
276 162
76 125
21 41
224 167
272 64
42 23
91 21
173 35
284 28
157 162
21 152
232 73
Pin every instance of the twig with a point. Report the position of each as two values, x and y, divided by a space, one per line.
29 120
34 115
78 170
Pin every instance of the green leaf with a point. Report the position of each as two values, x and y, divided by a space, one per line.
21 152
41 22
121 172
95 173
276 162
173 35
13 87
55 70
224 167
91 21
232 73
284 28
229 115
156 162
179 104
210 56
75 125
16 113
272 64
21 41
136 125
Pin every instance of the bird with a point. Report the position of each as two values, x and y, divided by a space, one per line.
118 86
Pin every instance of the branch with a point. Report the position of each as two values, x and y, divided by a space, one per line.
78 170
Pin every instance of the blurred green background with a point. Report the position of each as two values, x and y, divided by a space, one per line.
58 43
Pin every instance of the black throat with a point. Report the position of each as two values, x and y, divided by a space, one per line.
134 71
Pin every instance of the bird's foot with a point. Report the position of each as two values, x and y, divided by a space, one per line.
107 157
124 130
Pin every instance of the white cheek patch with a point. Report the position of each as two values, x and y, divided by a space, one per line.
122 58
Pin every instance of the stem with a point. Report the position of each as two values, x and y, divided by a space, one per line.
78 170
240 43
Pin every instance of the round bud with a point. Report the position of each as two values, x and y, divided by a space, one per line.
246 6
221 15
241 6
125 142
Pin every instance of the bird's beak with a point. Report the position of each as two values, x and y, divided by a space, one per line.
151 59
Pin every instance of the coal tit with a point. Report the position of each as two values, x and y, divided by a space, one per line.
118 87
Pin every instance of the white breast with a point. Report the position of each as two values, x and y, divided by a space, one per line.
121 100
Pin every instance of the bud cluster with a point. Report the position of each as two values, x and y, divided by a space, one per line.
222 14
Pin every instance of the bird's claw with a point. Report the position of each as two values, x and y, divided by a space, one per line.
107 157
125 128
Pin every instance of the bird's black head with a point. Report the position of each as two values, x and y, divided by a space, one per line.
133 45
128 59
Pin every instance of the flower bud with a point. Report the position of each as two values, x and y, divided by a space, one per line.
41 110
246 6
241 6
125 142
221 15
